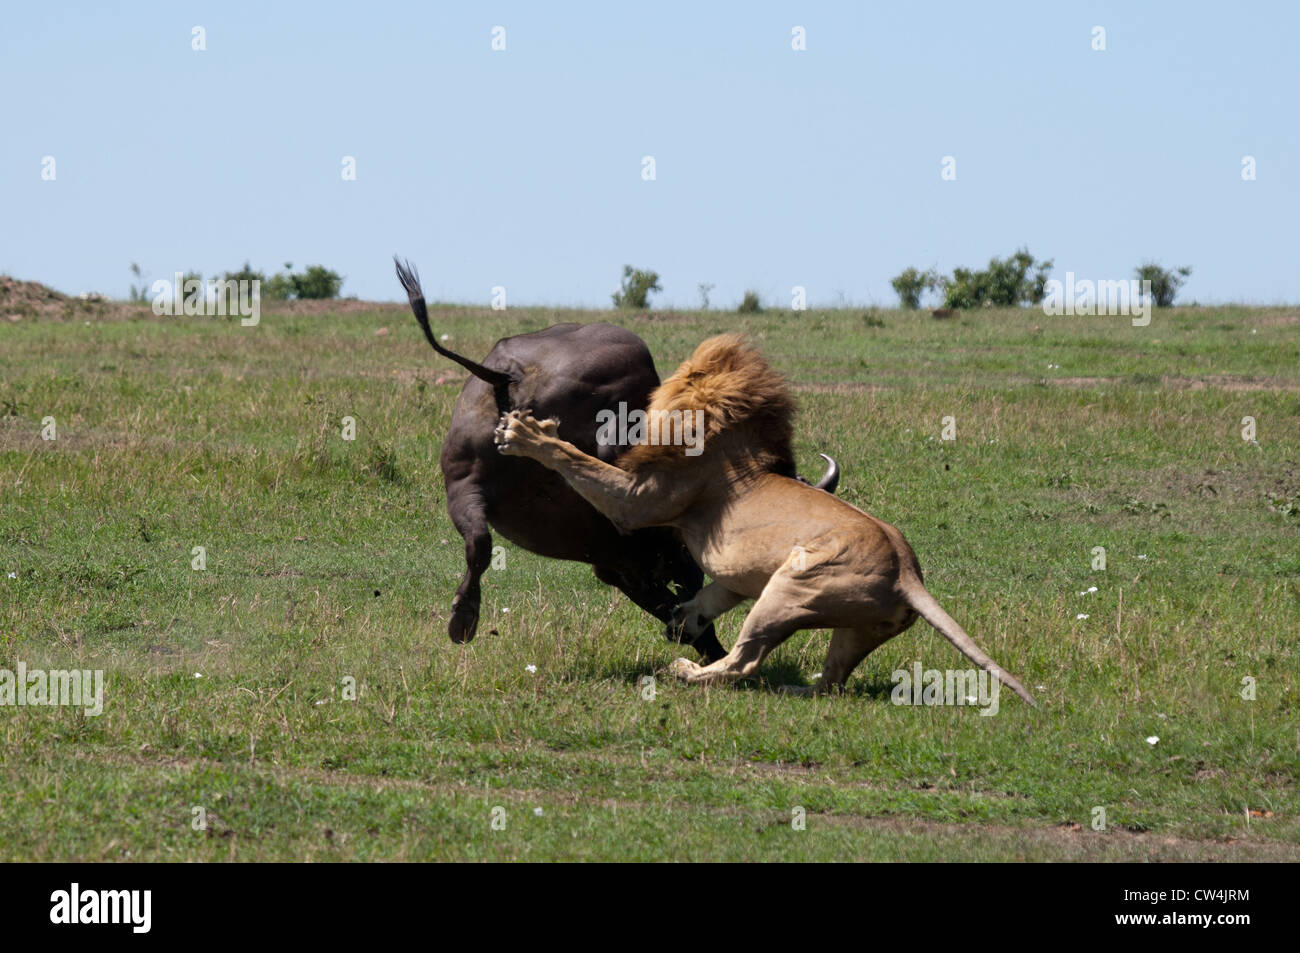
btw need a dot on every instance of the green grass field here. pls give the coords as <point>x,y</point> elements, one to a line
<point>330,560</point>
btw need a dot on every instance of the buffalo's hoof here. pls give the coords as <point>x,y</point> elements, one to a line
<point>463,625</point>
<point>710,649</point>
<point>675,630</point>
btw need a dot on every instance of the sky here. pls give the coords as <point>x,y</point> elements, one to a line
<point>523,168</point>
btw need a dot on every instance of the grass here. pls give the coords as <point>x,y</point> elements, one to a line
<point>330,560</point>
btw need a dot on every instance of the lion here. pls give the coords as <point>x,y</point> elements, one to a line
<point>808,559</point>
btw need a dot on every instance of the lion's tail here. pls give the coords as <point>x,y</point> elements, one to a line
<point>920,599</point>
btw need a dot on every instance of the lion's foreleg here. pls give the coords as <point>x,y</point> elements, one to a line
<point>627,499</point>
<point>694,616</point>
<point>778,613</point>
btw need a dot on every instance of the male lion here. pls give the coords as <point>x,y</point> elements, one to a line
<point>809,559</point>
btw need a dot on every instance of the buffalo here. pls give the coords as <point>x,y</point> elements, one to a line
<point>571,372</point>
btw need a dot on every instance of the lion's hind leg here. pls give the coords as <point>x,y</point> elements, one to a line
<point>778,613</point>
<point>848,648</point>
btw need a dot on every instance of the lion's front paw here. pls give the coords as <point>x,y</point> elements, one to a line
<point>507,432</point>
<point>518,432</point>
<point>683,668</point>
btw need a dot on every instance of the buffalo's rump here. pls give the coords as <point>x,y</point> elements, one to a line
<point>570,372</point>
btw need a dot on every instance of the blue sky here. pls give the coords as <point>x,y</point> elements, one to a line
<point>774,168</point>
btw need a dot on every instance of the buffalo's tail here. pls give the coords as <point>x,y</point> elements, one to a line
<point>499,380</point>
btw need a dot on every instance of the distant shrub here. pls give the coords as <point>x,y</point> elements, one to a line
<point>750,303</point>
<point>872,319</point>
<point>634,291</point>
<point>278,287</point>
<point>245,274</point>
<point>1006,282</point>
<point>910,284</point>
<point>704,289</point>
<point>316,282</point>
<point>1164,284</point>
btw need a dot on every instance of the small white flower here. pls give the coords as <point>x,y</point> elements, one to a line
<point>971,699</point>
<point>1092,588</point>
<point>1153,740</point>
<point>198,674</point>
<point>1160,715</point>
<point>13,575</point>
<point>323,701</point>
<point>445,337</point>
<point>530,669</point>
<point>1143,556</point>
<point>505,610</point>
<point>1082,615</point>
<point>537,812</point>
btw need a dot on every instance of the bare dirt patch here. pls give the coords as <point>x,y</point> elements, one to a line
<point>1229,382</point>
<point>666,317</point>
<point>1274,319</point>
<point>1081,381</point>
<point>31,300</point>
<point>1281,481</point>
<point>840,387</point>
<point>333,306</point>
<point>25,299</point>
<point>1068,842</point>
<point>1233,382</point>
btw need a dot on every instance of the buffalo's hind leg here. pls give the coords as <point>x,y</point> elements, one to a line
<point>697,613</point>
<point>704,641</point>
<point>658,600</point>
<point>692,621</point>
<point>468,513</point>
<point>689,578</point>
